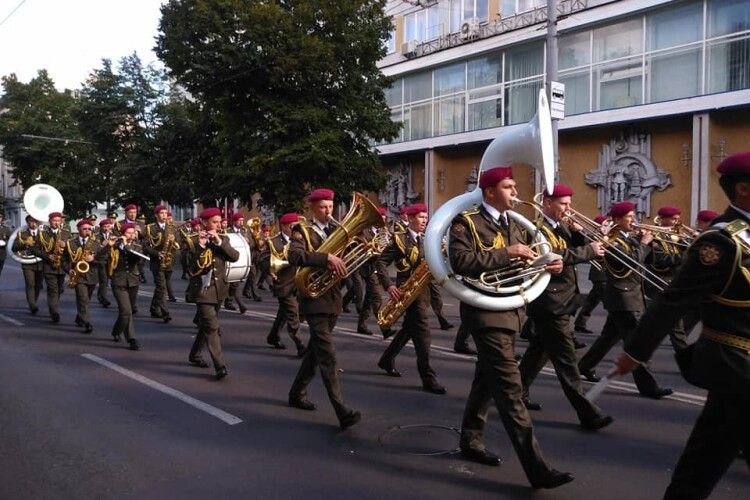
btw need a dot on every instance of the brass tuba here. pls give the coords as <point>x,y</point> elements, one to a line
<point>346,243</point>
<point>532,144</point>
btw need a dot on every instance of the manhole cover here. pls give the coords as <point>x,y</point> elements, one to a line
<point>420,439</point>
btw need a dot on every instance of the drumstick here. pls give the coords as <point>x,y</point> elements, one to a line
<point>599,387</point>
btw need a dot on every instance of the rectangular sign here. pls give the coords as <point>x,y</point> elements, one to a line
<point>557,100</point>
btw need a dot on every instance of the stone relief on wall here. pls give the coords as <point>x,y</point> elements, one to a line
<point>398,189</point>
<point>472,178</point>
<point>625,172</point>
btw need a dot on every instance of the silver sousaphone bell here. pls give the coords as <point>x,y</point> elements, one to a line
<point>39,200</point>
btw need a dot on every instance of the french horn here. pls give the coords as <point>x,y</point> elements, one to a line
<point>39,200</point>
<point>531,144</point>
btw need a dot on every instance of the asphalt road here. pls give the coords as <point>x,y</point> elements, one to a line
<point>83,417</point>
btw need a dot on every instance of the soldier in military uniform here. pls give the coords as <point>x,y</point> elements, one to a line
<point>623,298</point>
<point>100,264</point>
<point>282,285</point>
<point>33,274</point>
<point>124,275</point>
<point>84,248</point>
<point>704,219</point>
<point>50,245</point>
<point>5,233</point>
<point>161,245</point>
<point>407,252</point>
<point>238,227</point>
<point>371,300</point>
<point>551,311</point>
<point>713,279</point>
<point>132,217</point>
<point>484,240</point>
<point>598,278</point>
<point>208,260</point>
<point>321,313</point>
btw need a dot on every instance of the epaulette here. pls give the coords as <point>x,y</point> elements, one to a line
<point>305,232</point>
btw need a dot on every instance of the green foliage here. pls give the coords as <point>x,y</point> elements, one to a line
<point>295,88</point>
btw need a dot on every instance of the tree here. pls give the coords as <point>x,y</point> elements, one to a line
<point>295,87</point>
<point>38,109</point>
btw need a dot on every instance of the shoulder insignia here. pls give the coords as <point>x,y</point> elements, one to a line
<point>458,229</point>
<point>297,236</point>
<point>709,254</point>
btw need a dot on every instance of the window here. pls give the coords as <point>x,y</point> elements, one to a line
<point>618,40</point>
<point>728,16</point>
<point>450,79</point>
<point>678,25</point>
<point>449,114</point>
<point>417,87</point>
<point>417,121</point>
<point>729,64</point>
<point>663,67</point>
<point>463,10</point>
<point>618,84</point>
<point>520,101</point>
<point>422,25</point>
<point>576,92</point>
<point>485,71</point>
<point>513,7</point>
<point>574,50</point>
<point>393,93</point>
<point>524,62</point>
<point>390,43</point>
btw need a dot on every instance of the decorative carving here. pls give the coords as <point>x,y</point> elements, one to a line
<point>721,150</point>
<point>472,179</point>
<point>441,179</point>
<point>398,189</point>
<point>625,172</point>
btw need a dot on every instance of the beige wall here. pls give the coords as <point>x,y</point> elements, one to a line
<point>734,127</point>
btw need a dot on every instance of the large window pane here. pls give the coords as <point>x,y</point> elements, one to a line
<point>524,61</point>
<point>483,9</point>
<point>421,25</point>
<point>520,101</point>
<point>664,67</point>
<point>728,16</point>
<point>485,71</point>
<point>486,114</point>
<point>418,121</point>
<point>618,85</point>
<point>418,87</point>
<point>433,23</point>
<point>450,79</point>
<point>729,65</point>
<point>677,25</point>
<point>456,18</point>
<point>618,40</point>
<point>576,92</point>
<point>574,49</point>
<point>393,93</point>
<point>449,115</point>
<point>410,27</point>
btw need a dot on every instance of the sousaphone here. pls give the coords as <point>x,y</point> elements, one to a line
<point>39,200</point>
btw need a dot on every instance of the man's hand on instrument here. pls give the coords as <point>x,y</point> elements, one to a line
<point>394,292</point>
<point>647,237</point>
<point>88,257</point>
<point>202,238</point>
<point>625,364</point>
<point>554,267</point>
<point>336,265</point>
<point>598,248</point>
<point>520,251</point>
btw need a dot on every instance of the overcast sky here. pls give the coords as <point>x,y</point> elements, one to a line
<point>69,38</point>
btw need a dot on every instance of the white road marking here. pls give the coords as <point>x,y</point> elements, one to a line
<point>205,407</point>
<point>11,320</point>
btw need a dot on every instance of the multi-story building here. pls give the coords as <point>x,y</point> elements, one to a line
<point>657,93</point>
<point>11,194</point>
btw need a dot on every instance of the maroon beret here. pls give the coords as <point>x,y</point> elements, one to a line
<point>382,211</point>
<point>83,222</point>
<point>195,222</point>
<point>737,164</point>
<point>207,213</point>
<point>403,209</point>
<point>621,209</point>
<point>169,214</point>
<point>131,207</point>
<point>559,191</point>
<point>494,175</point>
<point>237,216</point>
<point>669,211</point>
<point>289,218</point>
<point>599,219</point>
<point>52,215</point>
<point>159,208</point>
<point>416,208</point>
<point>320,194</point>
<point>104,222</point>
<point>126,225</point>
<point>707,215</point>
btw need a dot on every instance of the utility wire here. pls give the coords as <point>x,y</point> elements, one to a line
<point>12,12</point>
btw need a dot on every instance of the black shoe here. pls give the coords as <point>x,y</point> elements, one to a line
<point>582,329</point>
<point>105,303</point>
<point>247,295</point>
<point>300,350</point>
<point>302,404</point>
<point>221,372</point>
<point>135,310</point>
<point>577,344</point>
<point>483,457</point>
<point>34,310</point>
<point>388,333</point>
<point>659,393</point>
<point>363,330</point>
<point>116,337</point>
<point>198,361</point>
<point>156,314</point>
<point>590,375</point>
<point>172,299</point>
<point>262,287</point>
<point>346,309</point>
<point>142,279</point>
<point>444,325</point>
<point>78,321</point>
<point>277,344</point>
<point>166,318</point>
<point>597,423</point>
<point>243,309</point>
<point>389,368</point>
<point>554,479</point>
<point>55,317</point>
<point>350,419</point>
<point>229,306</point>
<point>257,299</point>
<point>531,405</point>
<point>87,328</point>
<point>134,345</point>
<point>464,349</point>
<point>433,387</point>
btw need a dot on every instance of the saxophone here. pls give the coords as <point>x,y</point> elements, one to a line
<point>170,246</point>
<point>80,266</point>
<point>410,290</point>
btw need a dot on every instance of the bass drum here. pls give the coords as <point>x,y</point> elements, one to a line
<point>238,271</point>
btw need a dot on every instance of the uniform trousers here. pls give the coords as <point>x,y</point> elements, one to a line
<point>207,316</point>
<point>158,301</point>
<point>416,329</point>
<point>287,314</point>
<point>101,292</point>
<point>592,300</point>
<point>126,297</point>
<point>84,291</point>
<point>33,280</point>
<point>54,284</point>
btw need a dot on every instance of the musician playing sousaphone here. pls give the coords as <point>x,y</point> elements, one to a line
<point>322,312</point>
<point>482,240</point>
<point>407,252</point>
<point>275,261</point>
<point>161,245</point>
<point>33,272</point>
<point>210,252</point>
<point>80,257</point>
<point>50,246</point>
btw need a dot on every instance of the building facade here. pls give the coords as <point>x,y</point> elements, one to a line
<point>657,93</point>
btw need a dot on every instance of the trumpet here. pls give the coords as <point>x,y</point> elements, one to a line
<point>663,233</point>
